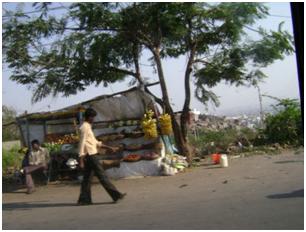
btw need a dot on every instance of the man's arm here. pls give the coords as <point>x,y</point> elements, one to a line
<point>105,146</point>
<point>31,159</point>
<point>83,135</point>
<point>101,145</point>
<point>81,162</point>
<point>82,153</point>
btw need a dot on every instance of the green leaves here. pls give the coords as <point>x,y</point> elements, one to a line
<point>205,96</point>
<point>96,43</point>
<point>272,46</point>
<point>54,57</point>
<point>10,132</point>
<point>285,126</point>
<point>227,66</point>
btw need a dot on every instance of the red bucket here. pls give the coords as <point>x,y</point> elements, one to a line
<point>215,158</point>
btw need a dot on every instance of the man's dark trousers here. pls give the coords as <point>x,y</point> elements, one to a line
<point>93,166</point>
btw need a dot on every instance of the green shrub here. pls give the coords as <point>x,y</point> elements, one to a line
<point>285,126</point>
<point>11,159</point>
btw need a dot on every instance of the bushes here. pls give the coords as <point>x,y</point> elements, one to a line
<point>11,159</point>
<point>218,141</point>
<point>282,127</point>
<point>285,126</point>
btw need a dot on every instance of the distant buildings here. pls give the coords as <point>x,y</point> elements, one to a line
<point>214,123</point>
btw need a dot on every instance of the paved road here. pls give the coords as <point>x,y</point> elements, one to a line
<point>257,192</point>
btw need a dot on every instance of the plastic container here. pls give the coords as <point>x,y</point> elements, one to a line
<point>224,161</point>
<point>215,158</point>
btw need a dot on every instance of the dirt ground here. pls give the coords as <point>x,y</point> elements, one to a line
<point>256,192</point>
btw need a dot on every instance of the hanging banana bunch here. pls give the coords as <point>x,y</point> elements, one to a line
<point>149,125</point>
<point>165,124</point>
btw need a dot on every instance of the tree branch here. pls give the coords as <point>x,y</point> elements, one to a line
<point>86,28</point>
<point>158,100</point>
<point>127,72</point>
<point>200,61</point>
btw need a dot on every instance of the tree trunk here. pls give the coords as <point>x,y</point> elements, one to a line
<point>186,107</point>
<point>182,145</point>
<point>260,106</point>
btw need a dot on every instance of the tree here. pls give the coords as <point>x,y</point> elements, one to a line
<point>103,43</point>
<point>9,130</point>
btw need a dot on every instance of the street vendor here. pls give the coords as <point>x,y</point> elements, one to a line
<point>89,162</point>
<point>37,160</point>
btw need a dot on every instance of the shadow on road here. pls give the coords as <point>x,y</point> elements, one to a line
<point>213,167</point>
<point>40,204</point>
<point>297,193</point>
<point>289,161</point>
<point>12,188</point>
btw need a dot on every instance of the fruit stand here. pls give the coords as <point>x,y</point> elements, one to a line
<point>132,123</point>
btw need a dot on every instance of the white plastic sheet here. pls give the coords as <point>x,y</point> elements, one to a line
<point>136,169</point>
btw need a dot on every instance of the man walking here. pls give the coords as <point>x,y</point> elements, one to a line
<point>37,160</point>
<point>89,162</point>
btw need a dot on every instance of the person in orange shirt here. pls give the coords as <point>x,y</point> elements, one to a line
<point>89,162</point>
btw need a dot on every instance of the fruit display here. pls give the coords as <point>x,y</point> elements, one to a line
<point>133,147</point>
<point>165,124</point>
<point>134,134</point>
<point>123,123</point>
<point>132,158</point>
<point>52,147</point>
<point>121,135</point>
<point>150,156</point>
<point>149,145</point>
<point>110,137</point>
<point>149,125</point>
<point>62,139</point>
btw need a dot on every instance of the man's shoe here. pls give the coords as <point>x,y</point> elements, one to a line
<point>120,198</point>
<point>30,191</point>
<point>84,203</point>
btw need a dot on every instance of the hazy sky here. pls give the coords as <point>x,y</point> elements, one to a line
<point>281,82</point>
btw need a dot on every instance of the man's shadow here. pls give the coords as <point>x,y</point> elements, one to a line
<point>41,204</point>
<point>293,194</point>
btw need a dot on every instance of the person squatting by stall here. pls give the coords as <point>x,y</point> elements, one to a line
<point>89,162</point>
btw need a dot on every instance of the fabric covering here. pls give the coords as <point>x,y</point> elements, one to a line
<point>120,107</point>
<point>140,168</point>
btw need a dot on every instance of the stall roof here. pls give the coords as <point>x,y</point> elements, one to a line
<point>70,111</point>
